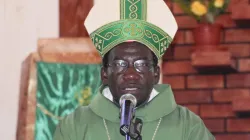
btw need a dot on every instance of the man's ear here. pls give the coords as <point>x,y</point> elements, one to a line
<point>156,75</point>
<point>104,75</point>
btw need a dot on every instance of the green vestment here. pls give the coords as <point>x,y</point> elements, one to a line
<point>177,123</point>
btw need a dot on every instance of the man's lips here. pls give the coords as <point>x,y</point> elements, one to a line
<point>130,91</point>
<point>131,88</point>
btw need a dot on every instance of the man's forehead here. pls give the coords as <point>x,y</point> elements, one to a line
<point>131,47</point>
<point>131,51</point>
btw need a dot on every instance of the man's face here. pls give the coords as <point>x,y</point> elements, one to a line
<point>123,79</point>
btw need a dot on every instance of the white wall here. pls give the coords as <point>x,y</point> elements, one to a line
<point>22,22</point>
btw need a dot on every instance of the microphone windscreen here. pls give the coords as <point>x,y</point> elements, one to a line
<point>129,97</point>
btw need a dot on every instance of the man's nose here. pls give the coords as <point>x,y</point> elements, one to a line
<point>131,74</point>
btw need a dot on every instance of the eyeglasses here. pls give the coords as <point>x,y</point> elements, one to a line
<point>141,66</point>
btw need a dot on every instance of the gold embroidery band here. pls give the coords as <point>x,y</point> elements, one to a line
<point>112,34</point>
<point>133,9</point>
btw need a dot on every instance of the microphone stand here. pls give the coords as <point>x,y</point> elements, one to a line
<point>127,137</point>
<point>135,129</point>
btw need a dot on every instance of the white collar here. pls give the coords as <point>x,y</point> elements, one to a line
<point>107,93</point>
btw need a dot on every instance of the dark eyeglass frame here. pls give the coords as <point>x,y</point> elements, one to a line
<point>121,66</point>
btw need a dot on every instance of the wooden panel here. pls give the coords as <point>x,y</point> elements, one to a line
<point>68,50</point>
<point>72,16</point>
<point>63,50</point>
<point>27,99</point>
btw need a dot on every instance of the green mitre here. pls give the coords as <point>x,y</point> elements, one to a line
<point>150,22</point>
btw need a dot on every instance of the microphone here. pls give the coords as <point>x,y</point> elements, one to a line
<point>127,103</point>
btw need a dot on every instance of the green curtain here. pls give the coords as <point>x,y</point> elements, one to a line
<point>61,88</point>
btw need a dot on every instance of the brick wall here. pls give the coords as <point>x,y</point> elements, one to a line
<point>210,96</point>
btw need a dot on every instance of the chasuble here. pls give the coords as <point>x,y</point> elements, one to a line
<point>162,119</point>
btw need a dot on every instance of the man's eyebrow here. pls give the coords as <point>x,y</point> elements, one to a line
<point>117,58</point>
<point>143,58</point>
<point>137,58</point>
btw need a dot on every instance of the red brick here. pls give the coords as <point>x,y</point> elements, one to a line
<point>193,108</point>
<point>213,59</point>
<point>177,9</point>
<point>216,111</point>
<point>244,65</point>
<point>227,95</point>
<point>238,80</point>
<point>178,67</point>
<point>239,2</point>
<point>189,39</point>
<point>183,52</point>
<point>238,50</point>
<point>229,8</point>
<point>215,125</point>
<point>169,54</point>
<point>238,125</point>
<point>226,20</point>
<point>192,96</point>
<point>237,35</point>
<point>210,81</point>
<point>169,3</point>
<point>240,10</point>
<point>176,82</point>
<point>241,104</point>
<point>179,37</point>
<point>232,137</point>
<point>185,22</point>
